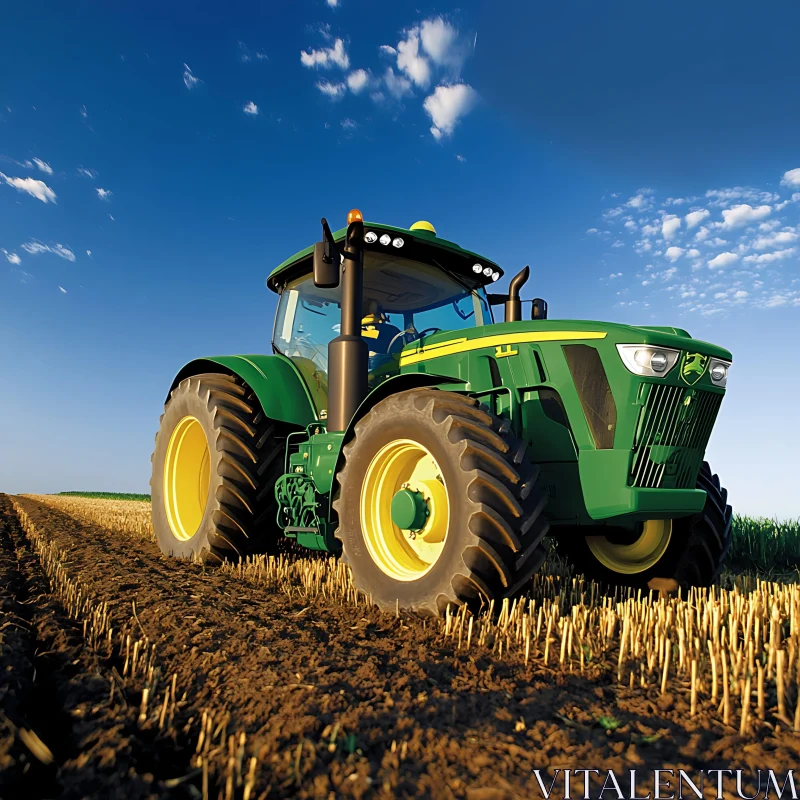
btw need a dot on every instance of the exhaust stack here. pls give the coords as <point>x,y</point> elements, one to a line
<point>513,306</point>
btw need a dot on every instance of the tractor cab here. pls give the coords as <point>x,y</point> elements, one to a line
<point>414,285</point>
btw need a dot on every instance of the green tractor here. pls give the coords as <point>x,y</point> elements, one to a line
<point>398,424</point>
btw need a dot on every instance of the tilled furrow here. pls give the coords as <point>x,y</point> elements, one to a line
<point>297,693</point>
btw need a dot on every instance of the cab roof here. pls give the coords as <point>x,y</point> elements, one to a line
<point>419,244</point>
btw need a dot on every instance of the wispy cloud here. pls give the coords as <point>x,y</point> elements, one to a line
<point>43,166</point>
<point>250,108</point>
<point>62,289</point>
<point>447,105</point>
<point>333,90</point>
<point>104,194</point>
<point>38,189</point>
<point>36,248</point>
<point>332,3</point>
<point>189,78</point>
<point>87,173</point>
<point>349,124</point>
<point>326,57</point>
<point>12,258</point>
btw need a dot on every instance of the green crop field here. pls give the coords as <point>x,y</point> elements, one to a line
<point>107,495</point>
<point>765,545</point>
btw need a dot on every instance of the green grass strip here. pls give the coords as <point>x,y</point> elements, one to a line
<point>107,495</point>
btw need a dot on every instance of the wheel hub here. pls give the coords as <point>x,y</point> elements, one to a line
<point>404,510</point>
<point>409,510</point>
<point>186,478</point>
<point>638,554</point>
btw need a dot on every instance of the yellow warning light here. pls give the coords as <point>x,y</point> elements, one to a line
<point>354,216</point>
<point>423,225</point>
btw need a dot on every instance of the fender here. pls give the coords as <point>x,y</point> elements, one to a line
<point>398,383</point>
<point>276,382</point>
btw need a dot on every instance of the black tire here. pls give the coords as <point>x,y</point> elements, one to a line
<point>245,454</point>
<point>694,557</point>
<point>493,544</point>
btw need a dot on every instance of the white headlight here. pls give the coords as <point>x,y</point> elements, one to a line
<point>644,359</point>
<point>718,370</point>
<point>385,239</point>
<point>397,242</point>
<point>495,276</point>
<point>477,268</point>
<point>487,271</point>
<point>370,237</point>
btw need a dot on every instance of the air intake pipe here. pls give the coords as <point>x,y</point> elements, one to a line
<point>513,306</point>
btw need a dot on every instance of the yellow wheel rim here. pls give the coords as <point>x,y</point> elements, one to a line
<point>403,554</point>
<point>187,475</point>
<point>629,559</point>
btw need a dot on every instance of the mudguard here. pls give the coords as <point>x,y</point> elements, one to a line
<point>277,383</point>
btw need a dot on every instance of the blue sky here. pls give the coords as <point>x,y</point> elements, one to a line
<point>156,164</point>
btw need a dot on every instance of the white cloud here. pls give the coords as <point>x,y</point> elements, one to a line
<point>640,199</point>
<point>250,108</point>
<point>447,105</point>
<point>673,253</point>
<point>104,194</point>
<point>63,290</point>
<point>723,260</point>
<point>35,248</point>
<point>84,113</point>
<point>333,90</point>
<point>188,78</point>
<point>694,218</point>
<point>740,295</point>
<point>592,230</point>
<point>791,178</point>
<point>13,258</point>
<point>397,85</point>
<point>410,61</point>
<point>89,253</point>
<point>387,50</point>
<point>43,166</point>
<point>38,189</point>
<point>775,239</point>
<point>326,57</point>
<point>630,225</point>
<point>357,80</point>
<point>768,258</point>
<point>87,173</point>
<point>460,158</point>
<point>649,230</point>
<point>693,253</point>
<point>349,124</point>
<point>670,225</point>
<point>439,40</point>
<point>332,3</point>
<point>743,214</point>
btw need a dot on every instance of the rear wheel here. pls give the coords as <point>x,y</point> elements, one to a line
<point>437,504</point>
<point>215,463</point>
<point>688,551</point>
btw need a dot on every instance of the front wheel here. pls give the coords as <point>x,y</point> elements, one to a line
<point>437,504</point>
<point>688,551</point>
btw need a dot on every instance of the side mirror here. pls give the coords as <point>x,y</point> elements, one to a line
<point>326,266</point>
<point>539,309</point>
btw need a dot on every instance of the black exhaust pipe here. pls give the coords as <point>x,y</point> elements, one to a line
<point>513,306</point>
<point>348,355</point>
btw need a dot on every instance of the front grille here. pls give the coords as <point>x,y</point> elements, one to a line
<point>672,432</point>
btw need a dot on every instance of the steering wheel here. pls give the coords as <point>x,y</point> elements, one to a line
<point>412,336</point>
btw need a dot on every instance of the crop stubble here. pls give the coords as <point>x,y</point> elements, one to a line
<point>277,680</point>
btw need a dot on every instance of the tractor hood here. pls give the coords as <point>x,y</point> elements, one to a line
<point>508,334</point>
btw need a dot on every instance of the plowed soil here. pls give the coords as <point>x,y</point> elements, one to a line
<point>334,699</point>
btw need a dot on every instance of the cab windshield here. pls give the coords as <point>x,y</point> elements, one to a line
<point>403,300</point>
